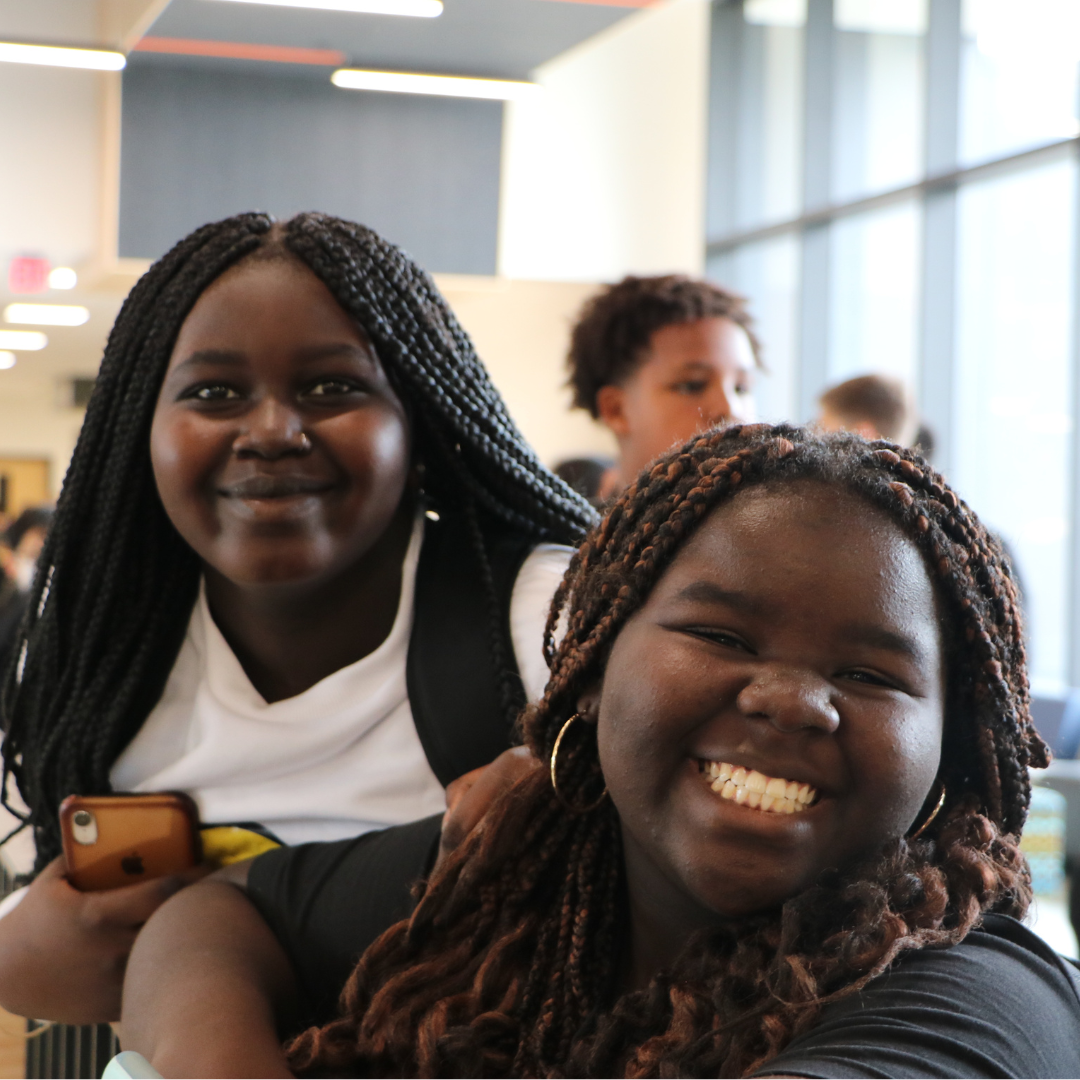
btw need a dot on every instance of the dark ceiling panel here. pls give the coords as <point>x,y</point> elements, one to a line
<point>499,38</point>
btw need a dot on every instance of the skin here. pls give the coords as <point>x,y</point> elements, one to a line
<point>282,455</point>
<point>796,632</point>
<point>693,376</point>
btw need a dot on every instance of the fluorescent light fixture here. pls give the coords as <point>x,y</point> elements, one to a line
<point>404,82</point>
<point>46,314</point>
<point>55,56</point>
<point>23,340</point>
<point>63,277</point>
<point>421,9</point>
<point>7,359</point>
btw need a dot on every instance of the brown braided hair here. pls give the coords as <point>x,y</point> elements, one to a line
<point>509,964</point>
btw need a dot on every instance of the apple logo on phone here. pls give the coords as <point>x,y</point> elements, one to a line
<point>132,864</point>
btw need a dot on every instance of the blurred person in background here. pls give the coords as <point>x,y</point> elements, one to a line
<point>20,547</point>
<point>873,406</point>
<point>585,475</point>
<point>659,359</point>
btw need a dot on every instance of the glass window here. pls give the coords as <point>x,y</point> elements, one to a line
<point>1019,75</point>
<point>874,304</point>
<point>1012,446</point>
<point>878,95</point>
<point>769,121</point>
<point>768,274</point>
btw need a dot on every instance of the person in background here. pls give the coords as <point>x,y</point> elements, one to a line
<point>585,475</point>
<point>873,406</point>
<point>20,547</point>
<point>659,359</point>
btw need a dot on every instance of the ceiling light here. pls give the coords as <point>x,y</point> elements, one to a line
<point>23,340</point>
<point>46,314</point>
<point>7,359</point>
<point>55,56</point>
<point>403,82</point>
<point>63,277</point>
<point>421,9</point>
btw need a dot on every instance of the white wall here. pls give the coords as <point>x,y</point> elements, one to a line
<point>522,331</point>
<point>604,173</point>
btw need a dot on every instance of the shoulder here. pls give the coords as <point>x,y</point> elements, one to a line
<point>327,902</point>
<point>1000,1003</point>
<point>542,571</point>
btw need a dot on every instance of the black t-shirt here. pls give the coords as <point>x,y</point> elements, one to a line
<point>1001,1003</point>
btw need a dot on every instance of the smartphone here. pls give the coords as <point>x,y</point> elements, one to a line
<point>114,840</point>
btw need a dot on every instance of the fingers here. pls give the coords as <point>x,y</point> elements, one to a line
<point>457,789</point>
<point>131,905</point>
<point>479,790</point>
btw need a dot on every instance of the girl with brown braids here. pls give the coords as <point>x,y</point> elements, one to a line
<point>786,742</point>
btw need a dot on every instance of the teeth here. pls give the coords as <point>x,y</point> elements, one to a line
<point>756,790</point>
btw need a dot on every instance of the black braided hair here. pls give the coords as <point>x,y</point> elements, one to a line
<point>116,583</point>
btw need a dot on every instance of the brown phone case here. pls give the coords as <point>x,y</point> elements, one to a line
<point>114,840</point>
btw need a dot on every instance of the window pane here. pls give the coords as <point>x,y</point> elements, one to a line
<point>758,87</point>
<point>875,294</point>
<point>878,95</point>
<point>768,274</point>
<point>1019,75</point>
<point>1013,423</point>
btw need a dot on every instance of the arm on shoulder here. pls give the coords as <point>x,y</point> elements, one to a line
<point>207,984</point>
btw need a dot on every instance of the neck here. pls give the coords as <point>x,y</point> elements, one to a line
<point>662,919</point>
<point>289,637</point>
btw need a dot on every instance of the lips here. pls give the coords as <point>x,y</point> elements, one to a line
<point>274,487</point>
<point>753,789</point>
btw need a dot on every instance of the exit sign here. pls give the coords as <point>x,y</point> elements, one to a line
<point>27,274</point>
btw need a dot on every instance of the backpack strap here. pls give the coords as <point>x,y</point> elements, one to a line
<point>450,672</point>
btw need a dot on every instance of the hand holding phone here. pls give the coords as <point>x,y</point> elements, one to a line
<point>115,840</point>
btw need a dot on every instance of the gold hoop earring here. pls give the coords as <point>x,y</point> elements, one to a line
<point>554,777</point>
<point>933,814</point>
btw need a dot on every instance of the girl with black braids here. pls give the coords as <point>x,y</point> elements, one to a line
<point>299,569</point>
<point>786,743</point>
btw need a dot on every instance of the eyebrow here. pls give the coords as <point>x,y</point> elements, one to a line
<point>234,358</point>
<point>880,638</point>
<point>708,592</point>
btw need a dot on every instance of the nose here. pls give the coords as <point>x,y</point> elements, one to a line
<point>789,700</point>
<point>273,429</point>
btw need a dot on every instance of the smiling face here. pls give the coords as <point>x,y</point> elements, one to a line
<point>693,376</point>
<point>795,636</point>
<point>279,448</point>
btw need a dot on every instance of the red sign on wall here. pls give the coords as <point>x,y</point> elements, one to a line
<point>27,274</point>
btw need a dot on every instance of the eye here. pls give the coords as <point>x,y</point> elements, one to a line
<point>332,387</point>
<point>725,638</point>
<point>691,387</point>
<point>211,392</point>
<point>868,678</point>
<point>744,389</point>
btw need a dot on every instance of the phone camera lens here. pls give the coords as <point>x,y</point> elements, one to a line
<point>82,818</point>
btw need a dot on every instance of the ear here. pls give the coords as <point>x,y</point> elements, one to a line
<point>611,405</point>
<point>588,705</point>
